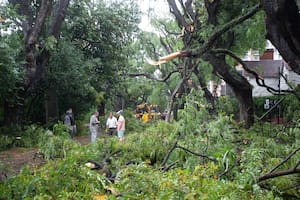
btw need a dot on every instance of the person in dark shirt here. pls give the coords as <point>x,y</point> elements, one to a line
<point>70,122</point>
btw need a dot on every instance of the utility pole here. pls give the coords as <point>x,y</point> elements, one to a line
<point>279,88</point>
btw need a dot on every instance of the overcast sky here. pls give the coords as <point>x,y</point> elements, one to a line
<point>150,8</point>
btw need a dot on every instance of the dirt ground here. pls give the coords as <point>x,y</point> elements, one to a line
<point>15,158</point>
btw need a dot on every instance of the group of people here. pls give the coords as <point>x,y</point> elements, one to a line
<point>113,125</point>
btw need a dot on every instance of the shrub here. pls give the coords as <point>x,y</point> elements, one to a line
<point>6,142</point>
<point>227,105</point>
<point>55,144</point>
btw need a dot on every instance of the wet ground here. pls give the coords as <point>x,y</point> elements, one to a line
<point>12,160</point>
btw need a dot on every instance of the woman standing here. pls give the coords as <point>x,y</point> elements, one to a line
<point>121,125</point>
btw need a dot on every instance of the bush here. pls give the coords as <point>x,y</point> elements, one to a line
<point>55,144</point>
<point>237,158</point>
<point>15,136</point>
<point>227,105</point>
<point>6,142</point>
<point>30,136</point>
<point>82,128</point>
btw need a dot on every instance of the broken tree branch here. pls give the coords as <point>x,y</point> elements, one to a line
<point>150,76</point>
<point>278,174</point>
<point>259,80</point>
<point>169,166</point>
<point>166,158</point>
<point>196,154</point>
<point>285,160</point>
<point>209,43</point>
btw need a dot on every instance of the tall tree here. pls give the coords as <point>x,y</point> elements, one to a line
<point>104,32</point>
<point>221,34</point>
<point>97,35</point>
<point>31,18</point>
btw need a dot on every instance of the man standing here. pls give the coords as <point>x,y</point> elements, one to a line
<point>111,124</point>
<point>70,122</point>
<point>94,123</point>
<point>121,125</point>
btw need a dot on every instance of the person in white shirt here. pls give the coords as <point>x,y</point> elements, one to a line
<point>111,124</point>
<point>94,123</point>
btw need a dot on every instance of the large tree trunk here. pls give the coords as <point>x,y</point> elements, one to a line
<point>283,29</point>
<point>32,29</point>
<point>37,62</point>
<point>171,101</point>
<point>58,17</point>
<point>240,86</point>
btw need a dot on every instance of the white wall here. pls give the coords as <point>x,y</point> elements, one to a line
<point>293,77</point>
<point>272,82</point>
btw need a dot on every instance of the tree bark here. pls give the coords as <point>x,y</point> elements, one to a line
<point>278,174</point>
<point>31,40</point>
<point>58,17</point>
<point>283,29</point>
<point>171,101</point>
<point>239,84</point>
<point>36,62</point>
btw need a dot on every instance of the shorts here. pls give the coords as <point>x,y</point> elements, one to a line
<point>120,134</point>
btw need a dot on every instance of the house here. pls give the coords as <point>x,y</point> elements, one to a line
<point>269,65</point>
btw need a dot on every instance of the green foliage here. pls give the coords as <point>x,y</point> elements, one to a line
<point>56,180</point>
<point>55,144</point>
<point>69,77</point>
<point>10,71</point>
<point>142,182</point>
<point>51,43</point>
<point>81,127</point>
<point>194,114</point>
<point>135,164</point>
<point>89,61</point>
<point>289,107</point>
<point>100,98</point>
<point>133,124</point>
<point>104,31</point>
<point>88,58</point>
<point>248,35</point>
<point>30,136</point>
<point>61,130</point>
<point>227,105</point>
<point>259,105</point>
<point>6,141</point>
<point>16,136</point>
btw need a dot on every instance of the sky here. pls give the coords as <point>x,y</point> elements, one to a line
<point>150,8</point>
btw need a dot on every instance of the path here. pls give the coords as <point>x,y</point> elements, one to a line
<point>13,160</point>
